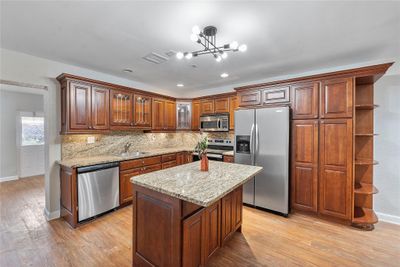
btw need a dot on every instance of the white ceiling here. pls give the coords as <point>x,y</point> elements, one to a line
<point>282,37</point>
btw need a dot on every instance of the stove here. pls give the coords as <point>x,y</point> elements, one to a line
<point>215,149</point>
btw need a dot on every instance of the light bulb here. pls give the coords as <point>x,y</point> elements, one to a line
<point>243,48</point>
<point>233,45</point>
<point>196,30</point>
<point>179,55</point>
<point>180,85</point>
<point>224,75</point>
<point>224,55</point>
<point>218,58</point>
<point>188,56</point>
<point>194,37</point>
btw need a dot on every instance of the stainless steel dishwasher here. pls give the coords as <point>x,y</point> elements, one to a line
<point>98,189</point>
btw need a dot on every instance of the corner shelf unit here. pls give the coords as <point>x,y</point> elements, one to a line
<point>364,216</point>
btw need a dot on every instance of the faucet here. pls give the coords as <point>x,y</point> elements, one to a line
<point>126,147</point>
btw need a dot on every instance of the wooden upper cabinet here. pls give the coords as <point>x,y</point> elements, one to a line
<point>336,165</point>
<point>305,100</point>
<point>158,114</point>
<point>100,108</point>
<point>196,115</point>
<point>121,108</point>
<point>337,98</point>
<point>170,115</point>
<point>249,98</point>
<point>163,114</point>
<point>304,174</point>
<point>142,108</point>
<point>207,106</point>
<point>80,107</point>
<point>221,105</point>
<point>276,95</point>
<point>233,105</point>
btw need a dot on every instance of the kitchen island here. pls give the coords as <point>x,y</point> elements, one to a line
<point>181,215</point>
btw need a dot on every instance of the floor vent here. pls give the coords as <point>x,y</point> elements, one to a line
<point>155,58</point>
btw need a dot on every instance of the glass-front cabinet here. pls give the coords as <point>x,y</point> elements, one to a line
<point>183,115</point>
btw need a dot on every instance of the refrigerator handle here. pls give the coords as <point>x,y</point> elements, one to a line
<point>251,144</point>
<point>257,140</point>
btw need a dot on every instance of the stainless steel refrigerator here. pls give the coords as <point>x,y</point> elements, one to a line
<point>262,139</point>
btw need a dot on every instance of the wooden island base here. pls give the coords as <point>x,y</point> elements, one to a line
<point>168,231</point>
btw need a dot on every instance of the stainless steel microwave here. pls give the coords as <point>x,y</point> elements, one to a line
<point>214,123</point>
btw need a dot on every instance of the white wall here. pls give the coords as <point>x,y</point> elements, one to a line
<point>387,148</point>
<point>11,103</point>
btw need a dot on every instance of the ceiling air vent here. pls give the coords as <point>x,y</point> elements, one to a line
<point>155,58</point>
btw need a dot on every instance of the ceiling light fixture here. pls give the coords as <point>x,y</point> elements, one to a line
<point>224,75</point>
<point>180,85</point>
<point>128,70</point>
<point>207,38</point>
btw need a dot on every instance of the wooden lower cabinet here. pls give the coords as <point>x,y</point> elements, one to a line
<point>336,168</point>
<point>69,195</point>
<point>171,232</point>
<point>229,158</point>
<point>125,185</point>
<point>304,174</point>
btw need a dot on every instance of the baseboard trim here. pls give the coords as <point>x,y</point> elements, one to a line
<point>8,178</point>
<point>51,215</point>
<point>388,218</point>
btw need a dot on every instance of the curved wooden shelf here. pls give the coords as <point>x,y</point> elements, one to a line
<point>364,216</point>
<point>365,162</point>
<point>366,106</point>
<point>365,189</point>
<point>366,134</point>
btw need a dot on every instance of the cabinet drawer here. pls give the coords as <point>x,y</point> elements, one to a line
<point>168,157</point>
<point>169,164</point>
<point>276,95</point>
<point>136,163</point>
<point>151,168</point>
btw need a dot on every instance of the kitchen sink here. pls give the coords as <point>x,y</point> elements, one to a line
<point>133,154</point>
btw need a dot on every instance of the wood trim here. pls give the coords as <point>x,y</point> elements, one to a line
<point>212,96</point>
<point>373,70</point>
<point>63,76</point>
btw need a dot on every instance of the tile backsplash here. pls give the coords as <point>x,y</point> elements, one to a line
<point>113,144</point>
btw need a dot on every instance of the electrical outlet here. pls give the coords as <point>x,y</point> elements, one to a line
<point>91,140</point>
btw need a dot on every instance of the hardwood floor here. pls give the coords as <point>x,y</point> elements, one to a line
<point>26,239</point>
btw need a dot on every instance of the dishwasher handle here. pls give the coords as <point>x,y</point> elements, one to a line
<point>97,167</point>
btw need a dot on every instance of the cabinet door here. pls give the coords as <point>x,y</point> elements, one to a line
<point>80,110</point>
<point>238,208</point>
<point>207,106</point>
<point>196,115</point>
<point>249,98</point>
<point>125,185</point>
<point>180,158</point>
<point>212,240</point>
<point>305,101</point>
<point>121,108</point>
<point>227,204</point>
<point>170,115</point>
<point>189,157</point>
<point>276,95</point>
<point>335,185</point>
<point>304,175</point>
<point>337,98</point>
<point>229,159</point>
<point>221,105</point>
<point>142,114</point>
<point>100,108</point>
<point>233,104</point>
<point>193,233</point>
<point>158,114</point>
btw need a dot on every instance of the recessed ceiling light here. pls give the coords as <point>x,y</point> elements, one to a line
<point>224,75</point>
<point>180,85</point>
<point>128,70</point>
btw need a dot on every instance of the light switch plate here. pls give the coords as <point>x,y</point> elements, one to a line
<point>91,140</point>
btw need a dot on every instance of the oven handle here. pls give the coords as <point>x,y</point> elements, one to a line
<point>215,156</point>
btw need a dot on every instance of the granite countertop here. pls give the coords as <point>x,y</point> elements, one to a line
<point>188,183</point>
<point>87,161</point>
<point>229,153</point>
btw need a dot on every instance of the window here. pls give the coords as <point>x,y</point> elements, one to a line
<point>32,132</point>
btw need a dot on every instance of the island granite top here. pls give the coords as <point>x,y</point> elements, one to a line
<point>188,183</point>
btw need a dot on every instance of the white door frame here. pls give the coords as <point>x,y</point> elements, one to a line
<point>41,90</point>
